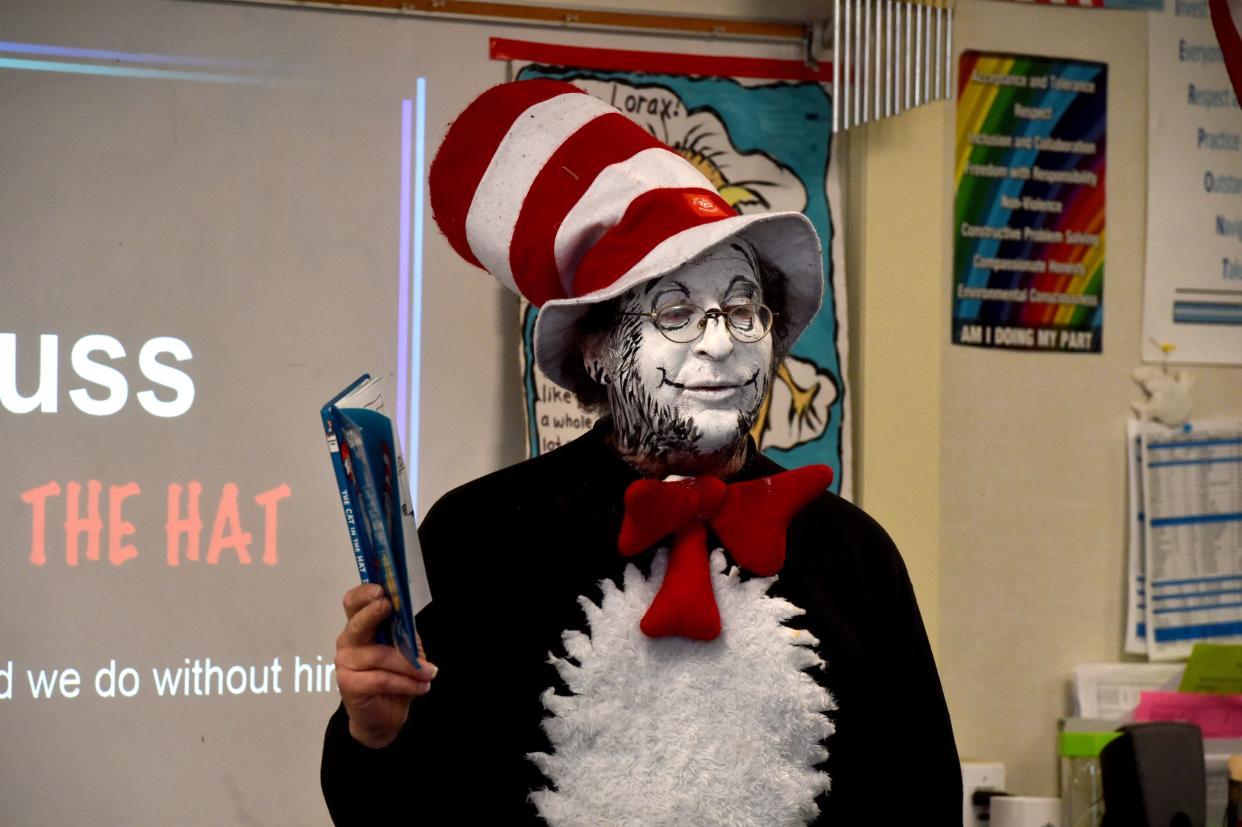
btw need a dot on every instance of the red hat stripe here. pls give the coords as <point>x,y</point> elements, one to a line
<point>468,148</point>
<point>652,219</point>
<point>609,197</point>
<point>602,144</point>
<point>531,140</point>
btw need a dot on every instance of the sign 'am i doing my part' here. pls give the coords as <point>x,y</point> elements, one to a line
<point>1028,254</point>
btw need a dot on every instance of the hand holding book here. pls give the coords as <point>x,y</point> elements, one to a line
<point>379,669</point>
<point>371,478</point>
<point>376,682</point>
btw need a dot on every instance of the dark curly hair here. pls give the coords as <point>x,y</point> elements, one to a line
<point>599,319</point>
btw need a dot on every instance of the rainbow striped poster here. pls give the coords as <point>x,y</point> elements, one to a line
<point>1028,254</point>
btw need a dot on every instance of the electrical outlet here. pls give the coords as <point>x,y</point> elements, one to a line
<point>979,775</point>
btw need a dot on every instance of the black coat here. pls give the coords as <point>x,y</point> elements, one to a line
<point>507,557</point>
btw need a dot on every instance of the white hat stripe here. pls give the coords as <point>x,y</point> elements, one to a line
<point>534,136</point>
<point>608,197</point>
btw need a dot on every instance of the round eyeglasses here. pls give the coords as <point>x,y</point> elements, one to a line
<point>684,323</point>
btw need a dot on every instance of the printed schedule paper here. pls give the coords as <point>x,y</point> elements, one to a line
<point>1192,536</point>
<point>1136,605</point>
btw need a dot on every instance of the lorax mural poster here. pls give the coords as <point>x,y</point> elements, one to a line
<point>766,146</point>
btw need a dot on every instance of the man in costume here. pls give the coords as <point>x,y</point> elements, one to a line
<point>653,624</point>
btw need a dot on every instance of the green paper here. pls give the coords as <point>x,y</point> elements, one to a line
<point>1085,744</point>
<point>1214,667</point>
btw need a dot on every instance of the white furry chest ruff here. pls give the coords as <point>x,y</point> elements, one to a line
<point>671,731</point>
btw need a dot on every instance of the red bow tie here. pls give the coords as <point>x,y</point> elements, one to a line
<point>750,518</point>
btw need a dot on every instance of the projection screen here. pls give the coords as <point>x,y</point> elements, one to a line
<point>211,220</point>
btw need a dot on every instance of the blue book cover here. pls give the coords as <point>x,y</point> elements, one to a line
<point>370,476</point>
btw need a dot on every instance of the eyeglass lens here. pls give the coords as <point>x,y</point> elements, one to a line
<point>684,323</point>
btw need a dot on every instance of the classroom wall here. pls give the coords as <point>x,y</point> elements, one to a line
<point>895,229</point>
<point>1033,486</point>
<point>1032,496</point>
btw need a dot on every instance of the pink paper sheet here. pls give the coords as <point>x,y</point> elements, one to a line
<point>1219,716</point>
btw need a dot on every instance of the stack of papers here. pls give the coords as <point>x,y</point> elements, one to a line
<point>1111,691</point>
<point>1209,694</point>
<point>1207,691</point>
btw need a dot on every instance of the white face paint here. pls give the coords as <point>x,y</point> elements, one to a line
<point>678,402</point>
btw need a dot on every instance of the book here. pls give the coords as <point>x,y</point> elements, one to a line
<point>373,484</point>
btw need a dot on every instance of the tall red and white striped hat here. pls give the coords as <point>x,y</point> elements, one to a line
<point>568,202</point>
